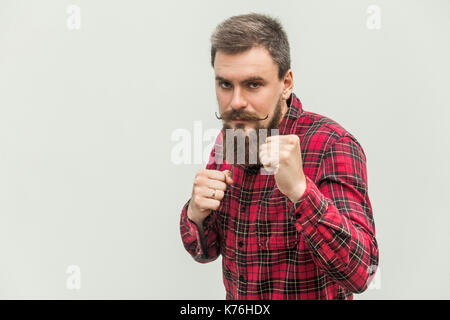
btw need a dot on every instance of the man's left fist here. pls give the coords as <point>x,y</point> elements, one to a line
<point>282,155</point>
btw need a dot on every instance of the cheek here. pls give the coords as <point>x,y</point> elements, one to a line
<point>222,96</point>
<point>267,109</point>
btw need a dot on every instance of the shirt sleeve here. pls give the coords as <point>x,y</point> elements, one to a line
<point>203,247</point>
<point>335,217</point>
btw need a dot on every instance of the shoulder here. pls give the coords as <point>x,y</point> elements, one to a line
<point>321,131</point>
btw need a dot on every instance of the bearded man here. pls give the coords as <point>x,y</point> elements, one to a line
<point>292,219</point>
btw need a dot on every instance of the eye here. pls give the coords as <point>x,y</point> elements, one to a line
<point>224,84</point>
<point>254,85</point>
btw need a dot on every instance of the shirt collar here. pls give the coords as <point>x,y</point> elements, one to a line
<point>295,111</point>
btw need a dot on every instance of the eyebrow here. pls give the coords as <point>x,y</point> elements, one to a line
<point>254,78</point>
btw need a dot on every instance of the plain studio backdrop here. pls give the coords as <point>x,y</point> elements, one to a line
<point>92,94</point>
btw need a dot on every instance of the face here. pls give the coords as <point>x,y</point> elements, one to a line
<point>250,95</point>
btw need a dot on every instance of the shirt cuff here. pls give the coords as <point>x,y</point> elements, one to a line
<point>308,210</point>
<point>293,206</point>
<point>193,229</point>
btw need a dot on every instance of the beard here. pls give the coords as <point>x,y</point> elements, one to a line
<point>242,147</point>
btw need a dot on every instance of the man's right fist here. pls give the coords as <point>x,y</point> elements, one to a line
<point>207,192</point>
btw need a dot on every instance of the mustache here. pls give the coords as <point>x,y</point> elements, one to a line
<point>236,114</point>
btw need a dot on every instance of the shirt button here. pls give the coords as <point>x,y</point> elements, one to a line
<point>241,278</point>
<point>243,208</point>
<point>240,244</point>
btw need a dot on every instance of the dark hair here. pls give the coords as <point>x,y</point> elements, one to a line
<point>243,32</point>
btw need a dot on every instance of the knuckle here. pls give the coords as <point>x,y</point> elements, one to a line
<point>291,139</point>
<point>222,186</point>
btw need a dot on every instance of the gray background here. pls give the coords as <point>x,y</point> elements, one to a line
<point>86,118</point>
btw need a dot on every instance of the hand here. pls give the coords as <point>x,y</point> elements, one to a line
<point>207,192</point>
<point>282,155</point>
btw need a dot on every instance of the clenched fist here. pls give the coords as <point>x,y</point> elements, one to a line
<point>207,192</point>
<point>282,155</point>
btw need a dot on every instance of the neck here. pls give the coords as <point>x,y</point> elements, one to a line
<point>284,110</point>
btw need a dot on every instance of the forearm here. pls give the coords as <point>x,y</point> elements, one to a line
<point>198,221</point>
<point>200,238</point>
<point>343,243</point>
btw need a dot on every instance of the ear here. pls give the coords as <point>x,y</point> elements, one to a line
<point>288,84</point>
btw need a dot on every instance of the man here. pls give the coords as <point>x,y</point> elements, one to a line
<point>304,232</point>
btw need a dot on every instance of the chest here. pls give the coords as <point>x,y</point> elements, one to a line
<point>255,212</point>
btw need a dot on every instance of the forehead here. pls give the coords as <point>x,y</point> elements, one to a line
<point>254,62</point>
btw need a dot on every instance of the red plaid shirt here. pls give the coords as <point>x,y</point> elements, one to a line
<point>322,246</point>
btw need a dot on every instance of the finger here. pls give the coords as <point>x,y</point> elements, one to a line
<point>270,168</point>
<point>262,155</point>
<point>209,204</point>
<point>269,160</point>
<point>265,160</point>
<point>211,194</point>
<point>273,138</point>
<point>283,139</point>
<point>216,184</point>
<point>271,154</point>
<point>216,175</point>
<point>277,138</point>
<point>228,176</point>
<point>264,148</point>
<point>216,194</point>
<point>270,147</point>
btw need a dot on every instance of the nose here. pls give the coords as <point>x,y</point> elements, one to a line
<point>238,101</point>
